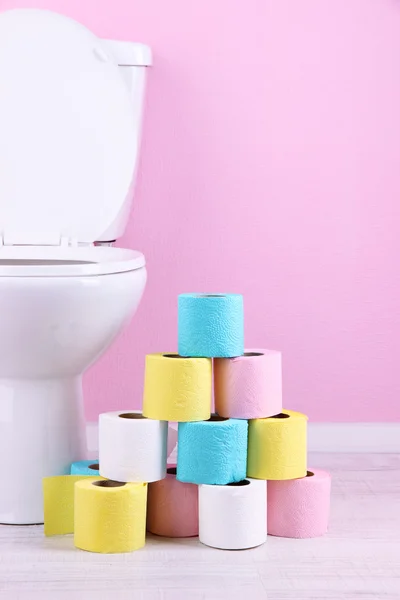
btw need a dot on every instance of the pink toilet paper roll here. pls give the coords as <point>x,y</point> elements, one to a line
<point>249,386</point>
<point>172,507</point>
<point>299,508</point>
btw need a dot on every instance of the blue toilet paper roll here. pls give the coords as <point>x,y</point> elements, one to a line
<point>210,326</point>
<point>212,452</point>
<point>85,467</point>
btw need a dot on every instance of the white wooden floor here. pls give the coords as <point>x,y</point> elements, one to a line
<point>359,558</point>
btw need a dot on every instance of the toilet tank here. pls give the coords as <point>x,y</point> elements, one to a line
<point>133,60</point>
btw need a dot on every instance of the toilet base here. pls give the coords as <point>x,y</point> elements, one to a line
<point>42,431</point>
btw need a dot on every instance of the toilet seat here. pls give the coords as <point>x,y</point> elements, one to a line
<point>59,261</point>
<point>66,148</point>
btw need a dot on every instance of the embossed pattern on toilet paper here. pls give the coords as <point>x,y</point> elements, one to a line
<point>212,452</point>
<point>299,508</point>
<point>233,517</point>
<point>85,467</point>
<point>58,497</point>
<point>131,447</point>
<point>172,507</point>
<point>210,325</point>
<point>248,386</point>
<point>177,388</point>
<point>110,520</point>
<point>278,447</point>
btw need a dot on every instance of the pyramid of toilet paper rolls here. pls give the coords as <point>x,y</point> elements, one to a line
<point>218,489</point>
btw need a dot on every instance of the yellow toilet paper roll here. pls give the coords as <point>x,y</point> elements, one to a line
<point>58,502</point>
<point>278,446</point>
<point>110,516</point>
<point>177,388</point>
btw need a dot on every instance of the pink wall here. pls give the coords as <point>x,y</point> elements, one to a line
<point>270,166</point>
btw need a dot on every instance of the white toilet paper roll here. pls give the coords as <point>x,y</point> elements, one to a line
<point>233,516</point>
<point>131,447</point>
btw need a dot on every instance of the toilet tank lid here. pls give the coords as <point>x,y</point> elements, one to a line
<point>129,54</point>
<point>67,144</point>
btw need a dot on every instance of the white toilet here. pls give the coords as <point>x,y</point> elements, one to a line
<point>70,120</point>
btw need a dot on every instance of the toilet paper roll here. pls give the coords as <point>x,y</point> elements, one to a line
<point>92,433</point>
<point>234,516</point>
<point>132,447</point>
<point>299,508</point>
<point>249,386</point>
<point>177,388</point>
<point>172,507</point>
<point>213,451</point>
<point>278,446</point>
<point>210,325</point>
<point>110,516</point>
<point>85,467</point>
<point>58,497</point>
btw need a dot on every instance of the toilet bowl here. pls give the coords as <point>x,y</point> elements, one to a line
<point>70,116</point>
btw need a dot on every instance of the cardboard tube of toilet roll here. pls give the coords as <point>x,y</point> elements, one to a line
<point>233,517</point>
<point>177,388</point>
<point>299,508</point>
<point>110,516</point>
<point>248,386</point>
<point>172,507</point>
<point>278,446</point>
<point>131,447</point>
<point>212,451</point>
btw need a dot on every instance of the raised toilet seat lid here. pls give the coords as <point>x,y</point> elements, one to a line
<point>59,261</point>
<point>67,122</point>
